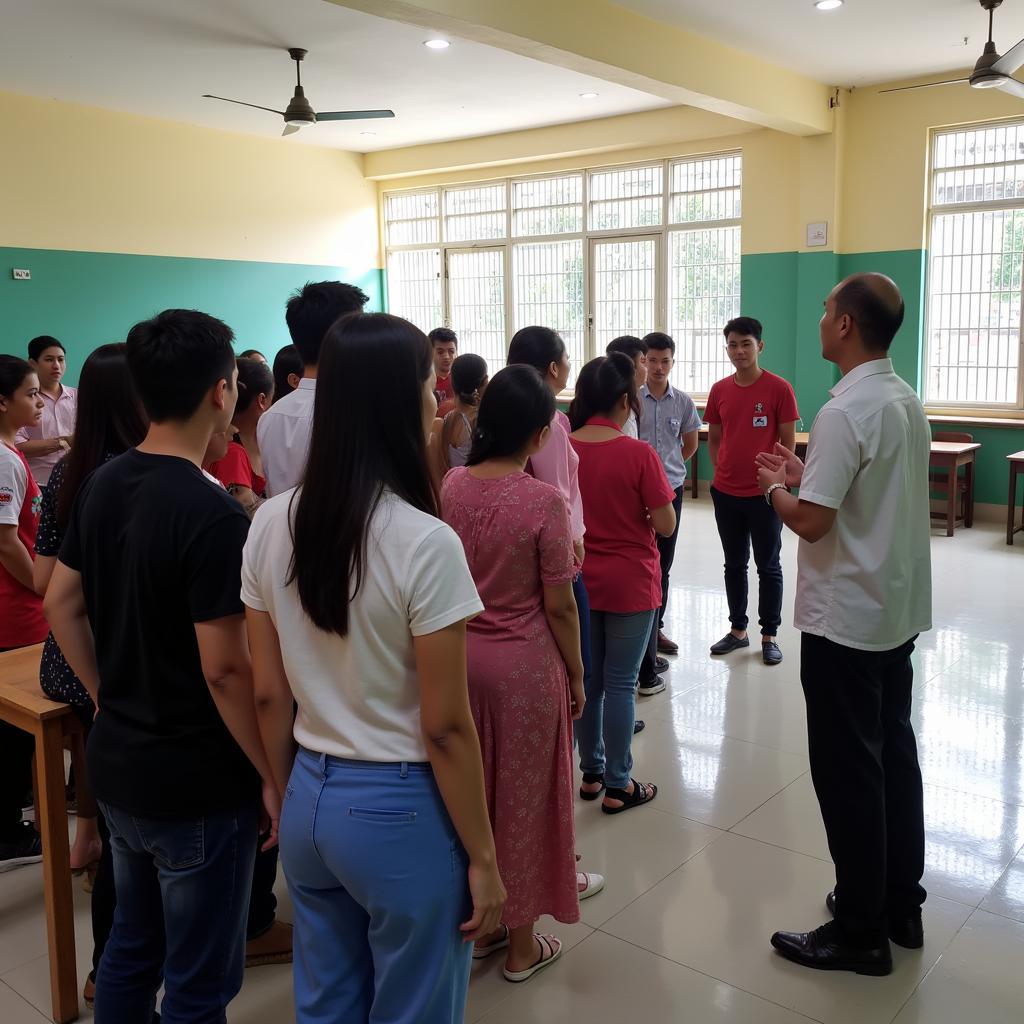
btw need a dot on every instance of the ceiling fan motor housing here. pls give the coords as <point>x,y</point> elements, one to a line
<point>299,110</point>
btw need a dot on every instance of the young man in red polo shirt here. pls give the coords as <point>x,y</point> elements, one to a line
<point>445,343</point>
<point>747,413</point>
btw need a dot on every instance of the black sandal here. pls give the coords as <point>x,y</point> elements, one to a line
<point>589,778</point>
<point>643,793</point>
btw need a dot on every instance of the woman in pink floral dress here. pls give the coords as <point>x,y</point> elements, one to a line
<point>525,669</point>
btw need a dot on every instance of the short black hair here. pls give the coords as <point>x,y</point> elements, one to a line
<point>443,335</point>
<point>312,310</point>
<point>628,345</point>
<point>252,353</point>
<point>659,341</point>
<point>37,346</point>
<point>877,321</point>
<point>176,358</point>
<point>745,326</point>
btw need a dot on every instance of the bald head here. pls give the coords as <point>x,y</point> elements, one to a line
<point>874,304</point>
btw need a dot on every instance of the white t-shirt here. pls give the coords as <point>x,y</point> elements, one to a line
<point>358,696</point>
<point>631,428</point>
<point>13,486</point>
<point>283,434</point>
<point>867,583</point>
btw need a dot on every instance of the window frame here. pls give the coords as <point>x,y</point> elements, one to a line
<point>586,236</point>
<point>965,410</point>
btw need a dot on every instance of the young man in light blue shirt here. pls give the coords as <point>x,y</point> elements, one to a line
<point>669,423</point>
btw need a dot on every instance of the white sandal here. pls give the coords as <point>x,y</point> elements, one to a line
<point>479,952</point>
<point>592,884</point>
<point>550,951</point>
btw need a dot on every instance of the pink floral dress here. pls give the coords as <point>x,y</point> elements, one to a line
<point>516,534</point>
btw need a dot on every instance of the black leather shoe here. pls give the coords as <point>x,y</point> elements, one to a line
<point>729,643</point>
<point>825,949</point>
<point>770,652</point>
<point>660,665</point>
<point>906,931</point>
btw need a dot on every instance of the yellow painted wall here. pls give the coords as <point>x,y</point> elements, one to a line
<point>886,144</point>
<point>771,176</point>
<point>80,178</point>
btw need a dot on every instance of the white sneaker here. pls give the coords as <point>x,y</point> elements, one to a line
<point>649,689</point>
<point>594,884</point>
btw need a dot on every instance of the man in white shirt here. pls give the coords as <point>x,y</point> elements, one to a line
<point>863,596</point>
<point>284,430</point>
<point>45,444</point>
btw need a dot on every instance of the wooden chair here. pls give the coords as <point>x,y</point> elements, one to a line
<point>939,478</point>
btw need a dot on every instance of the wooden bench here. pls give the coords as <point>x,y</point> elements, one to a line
<point>53,725</point>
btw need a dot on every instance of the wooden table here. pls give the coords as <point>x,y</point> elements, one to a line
<point>702,436</point>
<point>23,705</point>
<point>1016,461</point>
<point>950,456</point>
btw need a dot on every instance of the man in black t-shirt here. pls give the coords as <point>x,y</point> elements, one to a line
<point>144,602</point>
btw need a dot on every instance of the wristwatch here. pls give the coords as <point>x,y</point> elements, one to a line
<point>771,490</point>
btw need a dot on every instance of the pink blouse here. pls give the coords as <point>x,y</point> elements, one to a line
<point>558,464</point>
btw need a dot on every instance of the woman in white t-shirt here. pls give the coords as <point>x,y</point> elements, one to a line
<point>357,599</point>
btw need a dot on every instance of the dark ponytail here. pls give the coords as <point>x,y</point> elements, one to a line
<point>469,372</point>
<point>538,347</point>
<point>600,387</point>
<point>516,404</point>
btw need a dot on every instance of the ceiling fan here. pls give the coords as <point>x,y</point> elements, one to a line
<point>991,71</point>
<point>299,113</point>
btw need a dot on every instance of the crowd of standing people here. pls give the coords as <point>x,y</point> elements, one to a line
<point>377,635</point>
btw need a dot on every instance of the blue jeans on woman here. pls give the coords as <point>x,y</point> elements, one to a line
<point>605,731</point>
<point>182,901</point>
<point>377,877</point>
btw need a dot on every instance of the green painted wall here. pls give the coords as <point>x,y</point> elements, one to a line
<point>88,298</point>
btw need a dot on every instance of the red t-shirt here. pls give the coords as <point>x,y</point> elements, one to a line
<point>750,418</point>
<point>443,390</point>
<point>21,610</point>
<point>235,468</point>
<point>619,481</point>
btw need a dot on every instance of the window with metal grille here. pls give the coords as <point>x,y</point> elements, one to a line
<point>592,253</point>
<point>703,266</point>
<point>626,197</point>
<point>475,213</point>
<point>976,253</point>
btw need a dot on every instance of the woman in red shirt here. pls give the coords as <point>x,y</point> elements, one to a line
<point>627,499</point>
<point>241,468</point>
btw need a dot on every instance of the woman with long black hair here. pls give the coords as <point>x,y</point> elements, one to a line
<point>110,421</point>
<point>357,599</point>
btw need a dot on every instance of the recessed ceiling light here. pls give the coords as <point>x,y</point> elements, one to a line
<point>437,44</point>
<point>588,95</point>
<point>828,5</point>
<point>367,133</point>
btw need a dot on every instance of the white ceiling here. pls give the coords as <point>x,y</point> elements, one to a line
<point>157,57</point>
<point>863,42</point>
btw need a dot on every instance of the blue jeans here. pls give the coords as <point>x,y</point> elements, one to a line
<point>377,877</point>
<point>605,731</point>
<point>182,900</point>
<point>579,591</point>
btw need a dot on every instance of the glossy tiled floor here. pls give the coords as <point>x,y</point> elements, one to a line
<point>733,848</point>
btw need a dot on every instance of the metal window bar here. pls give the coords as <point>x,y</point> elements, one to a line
<point>625,286</point>
<point>476,302</point>
<point>414,286</point>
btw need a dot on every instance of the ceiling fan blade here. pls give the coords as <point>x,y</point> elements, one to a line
<point>353,115</point>
<point>242,103</point>
<point>289,129</point>
<point>927,85</point>
<point>1013,87</point>
<point>1011,60</point>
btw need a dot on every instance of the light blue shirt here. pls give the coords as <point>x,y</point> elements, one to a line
<point>662,425</point>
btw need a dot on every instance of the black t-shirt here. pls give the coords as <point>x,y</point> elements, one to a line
<point>159,548</point>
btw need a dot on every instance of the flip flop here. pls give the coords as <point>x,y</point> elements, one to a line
<point>550,951</point>
<point>479,952</point>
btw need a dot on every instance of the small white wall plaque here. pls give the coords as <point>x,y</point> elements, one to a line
<point>817,234</point>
